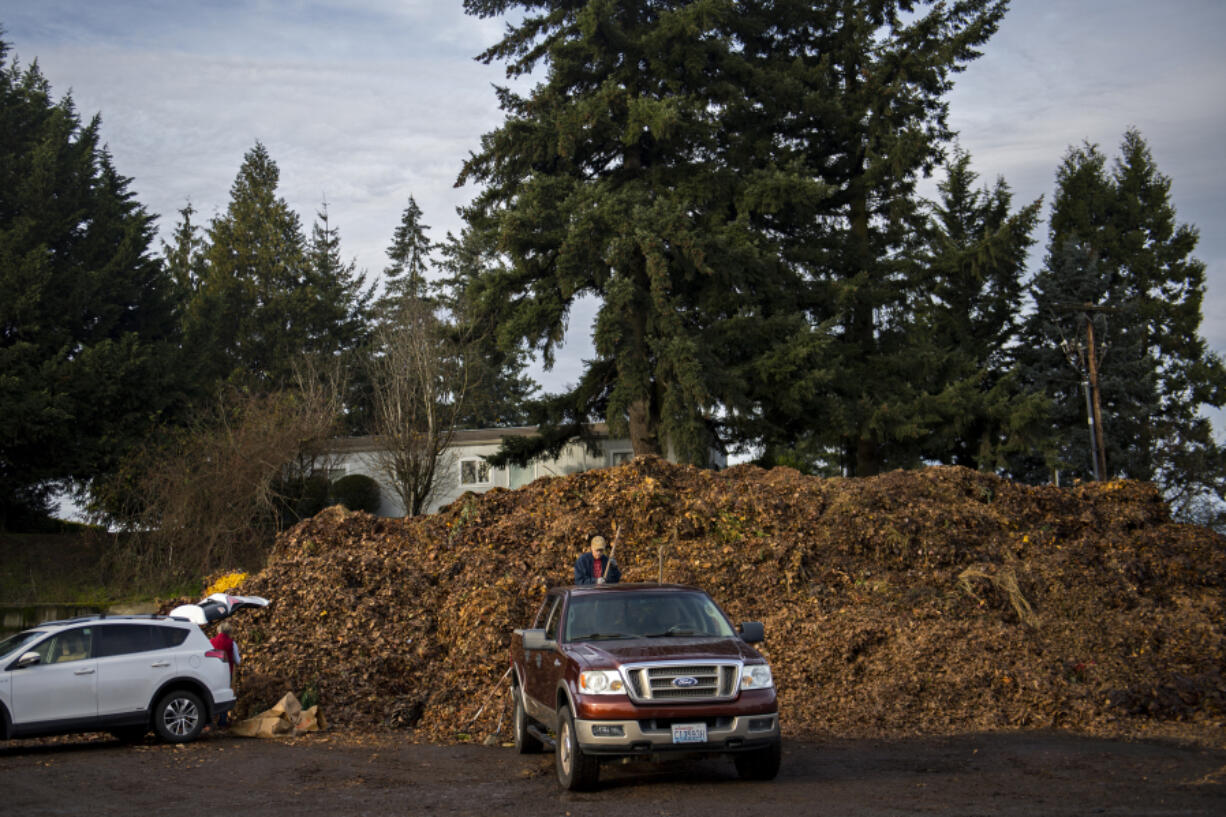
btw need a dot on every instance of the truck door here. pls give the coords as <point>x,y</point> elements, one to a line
<point>540,672</point>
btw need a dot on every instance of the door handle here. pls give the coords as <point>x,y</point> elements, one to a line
<point>160,664</point>
<point>83,672</point>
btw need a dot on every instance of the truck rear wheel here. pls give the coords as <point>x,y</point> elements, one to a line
<point>760,764</point>
<point>525,742</point>
<point>576,771</point>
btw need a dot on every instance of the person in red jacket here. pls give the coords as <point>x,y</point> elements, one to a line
<point>224,642</point>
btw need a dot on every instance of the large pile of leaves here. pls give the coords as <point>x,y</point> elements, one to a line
<point>922,601</point>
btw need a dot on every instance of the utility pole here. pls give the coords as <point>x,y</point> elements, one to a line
<point>1085,360</point>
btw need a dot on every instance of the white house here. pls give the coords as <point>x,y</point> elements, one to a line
<point>463,467</point>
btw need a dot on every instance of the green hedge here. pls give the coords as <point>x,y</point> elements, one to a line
<point>357,492</point>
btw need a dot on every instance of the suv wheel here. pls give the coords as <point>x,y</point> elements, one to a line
<point>525,743</point>
<point>179,716</point>
<point>576,771</point>
<point>760,764</point>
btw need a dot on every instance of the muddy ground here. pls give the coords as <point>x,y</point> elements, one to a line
<point>1024,773</point>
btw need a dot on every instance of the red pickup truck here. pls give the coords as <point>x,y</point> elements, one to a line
<point>618,670</point>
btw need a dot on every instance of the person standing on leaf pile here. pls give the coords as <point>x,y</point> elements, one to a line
<point>224,642</point>
<point>595,566</point>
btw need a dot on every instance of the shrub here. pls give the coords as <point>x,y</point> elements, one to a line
<point>357,492</point>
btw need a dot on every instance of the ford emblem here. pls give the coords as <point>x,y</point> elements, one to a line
<point>685,681</point>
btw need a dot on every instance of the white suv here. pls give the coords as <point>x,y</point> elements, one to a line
<point>122,674</point>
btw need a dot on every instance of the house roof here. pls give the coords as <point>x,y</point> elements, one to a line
<point>463,436</point>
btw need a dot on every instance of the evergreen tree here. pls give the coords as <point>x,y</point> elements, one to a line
<point>340,300</point>
<point>183,257</point>
<point>1117,257</point>
<point>345,306</point>
<point>500,393</point>
<point>856,93</point>
<point>626,175</point>
<point>970,316</point>
<point>410,255</point>
<point>86,313</point>
<point>265,297</point>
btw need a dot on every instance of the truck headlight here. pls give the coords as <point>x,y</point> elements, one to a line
<point>757,676</point>
<point>601,682</point>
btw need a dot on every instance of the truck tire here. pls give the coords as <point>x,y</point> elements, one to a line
<point>525,743</point>
<point>576,771</point>
<point>759,764</point>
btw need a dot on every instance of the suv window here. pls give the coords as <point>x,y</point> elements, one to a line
<point>169,636</point>
<point>121,639</point>
<point>70,645</point>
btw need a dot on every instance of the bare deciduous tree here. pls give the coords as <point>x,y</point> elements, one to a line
<point>420,386</point>
<point>209,496</point>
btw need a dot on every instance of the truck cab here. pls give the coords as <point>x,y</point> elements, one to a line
<point>643,670</point>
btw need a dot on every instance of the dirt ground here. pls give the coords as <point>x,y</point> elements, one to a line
<point>1023,773</point>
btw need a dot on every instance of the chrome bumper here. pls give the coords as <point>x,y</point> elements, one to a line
<point>633,739</point>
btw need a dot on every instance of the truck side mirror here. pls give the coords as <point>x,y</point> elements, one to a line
<point>536,640</point>
<point>752,632</point>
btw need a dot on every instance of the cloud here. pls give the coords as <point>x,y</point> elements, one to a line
<point>365,102</point>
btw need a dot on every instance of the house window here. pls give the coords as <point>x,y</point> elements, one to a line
<point>474,472</point>
<point>621,457</point>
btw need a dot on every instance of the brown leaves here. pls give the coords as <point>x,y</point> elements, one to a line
<point>892,605</point>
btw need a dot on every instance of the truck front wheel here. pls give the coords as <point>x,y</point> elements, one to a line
<point>525,743</point>
<point>760,764</point>
<point>576,771</point>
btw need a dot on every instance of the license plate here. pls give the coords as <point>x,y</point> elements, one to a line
<point>689,733</point>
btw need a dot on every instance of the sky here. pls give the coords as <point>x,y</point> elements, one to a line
<point>362,103</point>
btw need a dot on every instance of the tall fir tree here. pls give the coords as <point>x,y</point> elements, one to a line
<point>341,300</point>
<point>266,297</point>
<point>1117,257</point>
<point>410,257</point>
<point>500,392</point>
<point>856,93</point>
<point>973,276</point>
<point>87,329</point>
<point>625,175</point>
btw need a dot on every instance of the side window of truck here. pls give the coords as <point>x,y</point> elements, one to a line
<point>542,615</point>
<point>555,617</point>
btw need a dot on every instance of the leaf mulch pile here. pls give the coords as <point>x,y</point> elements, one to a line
<point>933,601</point>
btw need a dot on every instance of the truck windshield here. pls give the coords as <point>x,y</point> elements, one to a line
<point>644,615</point>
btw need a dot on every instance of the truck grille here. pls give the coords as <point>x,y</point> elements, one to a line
<point>682,682</point>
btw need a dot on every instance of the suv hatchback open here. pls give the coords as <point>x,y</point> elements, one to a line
<point>122,674</point>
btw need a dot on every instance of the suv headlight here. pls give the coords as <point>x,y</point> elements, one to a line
<point>756,676</point>
<point>601,682</point>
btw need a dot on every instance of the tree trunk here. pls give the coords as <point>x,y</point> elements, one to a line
<point>862,331</point>
<point>644,429</point>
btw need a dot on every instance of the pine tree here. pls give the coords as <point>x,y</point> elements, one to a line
<point>87,328</point>
<point>856,93</point>
<point>499,390</point>
<point>410,256</point>
<point>340,299</point>
<point>625,175</point>
<point>1116,256</point>
<point>267,297</point>
<point>968,323</point>
<point>183,256</point>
